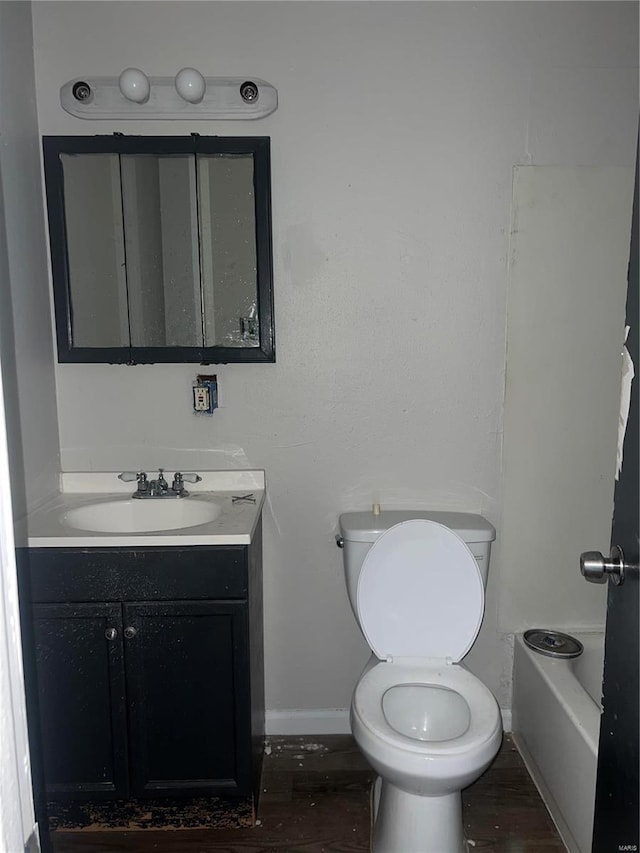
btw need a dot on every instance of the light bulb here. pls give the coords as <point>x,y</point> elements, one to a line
<point>190,85</point>
<point>134,85</point>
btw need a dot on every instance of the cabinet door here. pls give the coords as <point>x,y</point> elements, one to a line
<point>188,694</point>
<point>80,683</point>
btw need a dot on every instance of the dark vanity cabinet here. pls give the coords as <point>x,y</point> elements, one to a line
<point>81,697</point>
<point>144,669</point>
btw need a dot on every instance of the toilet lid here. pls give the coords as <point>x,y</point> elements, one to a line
<point>420,593</point>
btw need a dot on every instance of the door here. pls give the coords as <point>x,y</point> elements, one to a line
<point>80,683</point>
<point>617,808</point>
<point>187,686</point>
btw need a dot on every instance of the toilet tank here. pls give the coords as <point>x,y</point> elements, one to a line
<point>359,530</point>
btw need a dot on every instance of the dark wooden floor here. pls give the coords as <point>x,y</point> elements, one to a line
<point>315,799</point>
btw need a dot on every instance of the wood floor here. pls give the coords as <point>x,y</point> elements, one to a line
<point>315,799</point>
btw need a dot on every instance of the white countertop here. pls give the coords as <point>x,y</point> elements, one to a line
<point>46,527</point>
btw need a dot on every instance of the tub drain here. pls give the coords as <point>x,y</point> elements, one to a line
<point>554,644</point>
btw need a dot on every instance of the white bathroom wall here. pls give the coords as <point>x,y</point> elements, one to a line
<point>392,152</point>
<point>569,255</point>
<point>25,320</point>
<point>17,818</point>
<point>29,444</point>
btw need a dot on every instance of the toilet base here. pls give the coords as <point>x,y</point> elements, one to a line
<point>415,824</point>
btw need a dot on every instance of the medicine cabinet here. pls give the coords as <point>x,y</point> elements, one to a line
<point>161,248</point>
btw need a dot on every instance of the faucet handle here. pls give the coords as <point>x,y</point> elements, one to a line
<point>130,476</point>
<point>180,479</point>
<point>190,477</point>
<point>141,477</point>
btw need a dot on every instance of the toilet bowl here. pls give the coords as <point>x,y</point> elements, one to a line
<point>426,724</point>
<point>428,730</point>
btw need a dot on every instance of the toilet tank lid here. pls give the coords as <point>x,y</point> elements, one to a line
<point>367,527</point>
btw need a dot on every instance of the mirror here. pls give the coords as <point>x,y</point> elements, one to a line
<point>161,248</point>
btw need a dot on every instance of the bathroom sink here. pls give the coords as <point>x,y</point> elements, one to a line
<point>141,516</point>
<point>97,510</point>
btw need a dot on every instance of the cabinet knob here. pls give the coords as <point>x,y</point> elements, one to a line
<point>111,633</point>
<point>130,632</point>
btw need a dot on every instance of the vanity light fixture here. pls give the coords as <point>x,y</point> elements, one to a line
<point>134,85</point>
<point>189,95</point>
<point>191,85</point>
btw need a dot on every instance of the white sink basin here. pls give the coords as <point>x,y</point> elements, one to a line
<point>141,516</point>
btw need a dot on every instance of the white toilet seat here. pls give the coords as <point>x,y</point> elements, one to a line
<point>420,593</point>
<point>484,712</point>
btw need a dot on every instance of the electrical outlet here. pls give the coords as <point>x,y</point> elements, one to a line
<point>205,395</point>
<point>201,398</point>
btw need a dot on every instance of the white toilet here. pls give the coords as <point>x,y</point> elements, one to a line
<point>427,726</point>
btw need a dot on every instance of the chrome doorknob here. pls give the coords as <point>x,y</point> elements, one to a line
<point>598,569</point>
<point>130,632</point>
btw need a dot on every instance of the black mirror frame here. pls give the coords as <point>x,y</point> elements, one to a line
<point>258,146</point>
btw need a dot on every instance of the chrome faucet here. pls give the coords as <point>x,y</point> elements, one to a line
<point>159,488</point>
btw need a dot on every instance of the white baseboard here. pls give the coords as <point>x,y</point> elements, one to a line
<point>507,725</point>
<point>326,721</point>
<point>320,721</point>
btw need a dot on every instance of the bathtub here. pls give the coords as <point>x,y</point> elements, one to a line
<point>556,724</point>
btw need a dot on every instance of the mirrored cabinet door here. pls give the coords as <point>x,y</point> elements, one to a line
<point>95,250</point>
<point>161,248</point>
<point>159,212</point>
<point>226,212</point>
